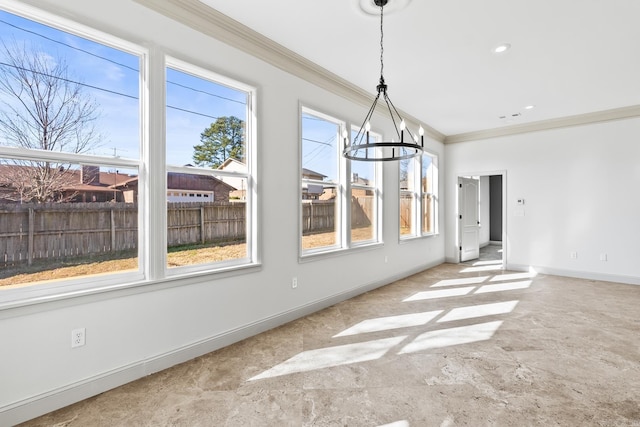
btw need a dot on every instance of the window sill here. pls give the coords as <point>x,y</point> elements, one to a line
<point>334,252</point>
<point>36,299</point>
<point>412,238</point>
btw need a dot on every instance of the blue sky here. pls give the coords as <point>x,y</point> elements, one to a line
<point>111,78</point>
<point>319,150</point>
<point>95,66</point>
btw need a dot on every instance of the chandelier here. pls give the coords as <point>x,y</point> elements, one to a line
<point>363,147</point>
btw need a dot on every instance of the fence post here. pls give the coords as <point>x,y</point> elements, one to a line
<point>30,244</point>
<point>113,231</point>
<point>202,237</point>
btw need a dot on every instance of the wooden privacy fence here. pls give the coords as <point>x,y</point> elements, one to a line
<point>60,230</point>
<point>319,215</point>
<point>30,232</point>
<point>199,223</point>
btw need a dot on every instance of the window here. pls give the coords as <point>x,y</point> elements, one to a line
<point>322,191</point>
<point>340,198</point>
<point>364,198</point>
<point>69,154</point>
<point>208,151</point>
<point>428,185</point>
<point>75,188</point>
<point>418,196</point>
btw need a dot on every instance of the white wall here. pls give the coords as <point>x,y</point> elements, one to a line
<point>580,186</point>
<point>133,332</point>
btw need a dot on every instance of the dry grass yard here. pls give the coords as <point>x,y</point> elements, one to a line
<point>197,255</point>
<point>178,258</point>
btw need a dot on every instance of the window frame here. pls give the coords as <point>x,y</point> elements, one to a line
<point>46,290</point>
<point>152,170</point>
<point>340,242</point>
<point>250,149</point>
<point>377,195</point>
<point>417,198</point>
<point>344,190</point>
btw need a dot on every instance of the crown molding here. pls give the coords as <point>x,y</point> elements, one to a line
<point>562,122</point>
<point>205,19</point>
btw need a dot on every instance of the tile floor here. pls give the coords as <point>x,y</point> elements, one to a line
<point>456,345</point>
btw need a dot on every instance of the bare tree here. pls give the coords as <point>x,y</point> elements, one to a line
<point>43,107</point>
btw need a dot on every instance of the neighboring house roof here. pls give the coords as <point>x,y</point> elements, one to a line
<point>233,164</point>
<point>108,181</point>
<point>178,181</point>
<point>8,174</point>
<point>308,173</point>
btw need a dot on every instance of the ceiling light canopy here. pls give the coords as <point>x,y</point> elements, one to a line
<point>365,148</point>
<point>371,7</point>
<point>502,48</point>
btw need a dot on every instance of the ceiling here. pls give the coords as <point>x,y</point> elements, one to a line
<point>567,58</point>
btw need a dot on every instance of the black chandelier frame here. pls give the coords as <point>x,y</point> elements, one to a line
<point>362,148</point>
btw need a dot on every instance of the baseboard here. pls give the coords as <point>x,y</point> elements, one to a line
<point>604,277</point>
<point>44,403</point>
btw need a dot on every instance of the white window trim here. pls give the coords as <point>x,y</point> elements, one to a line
<point>37,292</point>
<point>250,143</point>
<point>344,187</point>
<point>377,194</point>
<point>152,177</point>
<point>434,193</point>
<point>417,204</point>
<point>341,238</point>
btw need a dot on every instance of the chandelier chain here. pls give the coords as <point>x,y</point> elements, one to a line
<point>381,44</point>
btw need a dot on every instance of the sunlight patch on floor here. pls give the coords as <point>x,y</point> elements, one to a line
<point>390,322</point>
<point>440,294</point>
<point>456,282</point>
<point>513,276</point>
<point>452,336</point>
<point>403,423</point>
<point>332,356</point>
<point>504,287</point>
<point>491,262</point>
<point>414,341</point>
<point>482,268</point>
<point>481,310</point>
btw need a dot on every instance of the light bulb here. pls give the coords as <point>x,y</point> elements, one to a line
<point>402,125</point>
<point>421,131</point>
<point>367,127</point>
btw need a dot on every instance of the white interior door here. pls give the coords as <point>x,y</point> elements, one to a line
<point>468,219</point>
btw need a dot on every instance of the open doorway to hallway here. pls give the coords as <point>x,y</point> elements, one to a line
<point>481,218</point>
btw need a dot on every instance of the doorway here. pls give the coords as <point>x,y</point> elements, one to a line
<point>481,217</point>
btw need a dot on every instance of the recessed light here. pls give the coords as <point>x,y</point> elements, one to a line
<point>529,107</point>
<point>502,48</point>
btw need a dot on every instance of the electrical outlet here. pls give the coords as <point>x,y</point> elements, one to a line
<point>573,255</point>
<point>294,283</point>
<point>78,337</point>
<point>603,256</point>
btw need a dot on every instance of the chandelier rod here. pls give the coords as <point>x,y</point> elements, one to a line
<point>381,43</point>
